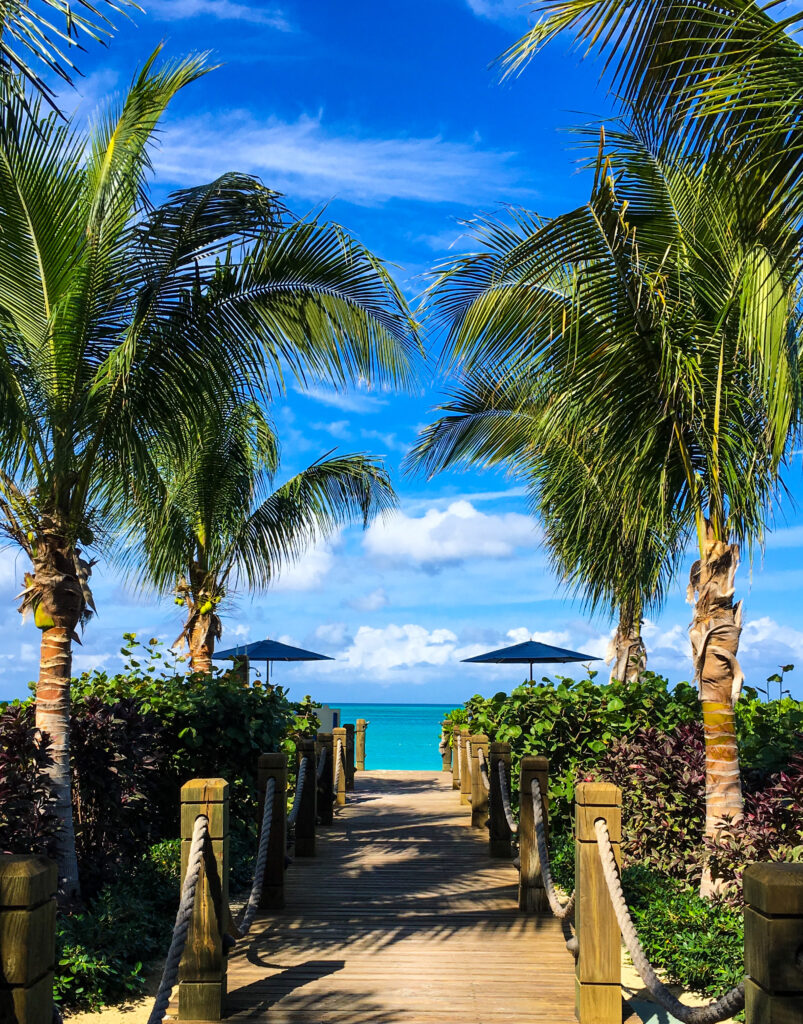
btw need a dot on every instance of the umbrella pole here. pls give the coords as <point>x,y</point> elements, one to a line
<point>531,671</point>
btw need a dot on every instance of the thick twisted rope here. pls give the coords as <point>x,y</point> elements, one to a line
<point>720,1009</point>
<point>511,821</point>
<point>338,766</point>
<point>200,833</point>
<point>483,768</point>
<point>443,746</point>
<point>248,912</point>
<point>457,756</point>
<point>292,817</point>
<point>322,764</point>
<point>560,910</point>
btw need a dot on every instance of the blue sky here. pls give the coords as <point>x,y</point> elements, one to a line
<point>389,114</point>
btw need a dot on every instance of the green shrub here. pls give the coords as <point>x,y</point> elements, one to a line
<point>698,943</point>
<point>104,950</point>
<point>574,722</point>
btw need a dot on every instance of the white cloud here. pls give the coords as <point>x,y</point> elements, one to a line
<point>89,662</point>
<point>501,10</point>
<point>389,441</point>
<point>675,638</point>
<point>370,602</point>
<point>348,401</point>
<point>309,572</point>
<point>380,651</point>
<point>459,532</point>
<point>788,537</point>
<point>307,159</point>
<point>334,633</point>
<point>338,429</point>
<point>224,10</point>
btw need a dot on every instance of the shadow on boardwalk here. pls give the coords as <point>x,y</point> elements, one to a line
<point>402,918</point>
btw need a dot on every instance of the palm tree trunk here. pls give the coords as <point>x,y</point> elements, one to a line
<point>53,717</point>
<point>714,634</point>
<point>627,652</point>
<point>201,637</point>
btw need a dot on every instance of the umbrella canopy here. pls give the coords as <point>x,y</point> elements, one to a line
<point>270,650</point>
<point>528,653</point>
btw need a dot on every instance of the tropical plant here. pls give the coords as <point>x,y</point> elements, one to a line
<point>493,417</point>
<point>27,30</point>
<point>675,350</point>
<point>216,522</point>
<point>117,317</point>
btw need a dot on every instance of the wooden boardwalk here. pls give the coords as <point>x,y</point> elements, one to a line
<point>402,918</point>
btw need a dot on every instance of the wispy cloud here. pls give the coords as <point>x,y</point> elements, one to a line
<point>313,161</point>
<point>502,10</point>
<point>347,401</point>
<point>224,10</point>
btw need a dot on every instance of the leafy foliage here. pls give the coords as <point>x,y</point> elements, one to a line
<point>574,722</point>
<point>27,824</point>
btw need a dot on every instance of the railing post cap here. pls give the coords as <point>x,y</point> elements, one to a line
<point>324,737</point>
<point>272,761</point>
<point>306,743</point>
<point>478,737</point>
<point>598,794</point>
<point>361,721</point>
<point>497,747</point>
<point>204,791</point>
<point>26,880</point>
<point>532,763</point>
<point>774,888</point>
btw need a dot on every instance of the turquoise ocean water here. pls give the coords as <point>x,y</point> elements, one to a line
<point>399,735</point>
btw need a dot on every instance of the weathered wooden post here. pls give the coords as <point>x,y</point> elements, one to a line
<point>240,666</point>
<point>308,801</point>
<point>499,834</point>
<point>350,752</point>
<point>339,771</point>
<point>325,791</point>
<point>445,749</point>
<point>479,794</point>
<point>273,766</point>
<point>27,938</point>
<point>202,972</point>
<point>773,943</point>
<point>598,971</point>
<point>359,754</point>
<point>465,765</point>
<point>532,897</point>
<point>457,739</point>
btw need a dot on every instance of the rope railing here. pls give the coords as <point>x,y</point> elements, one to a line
<point>560,910</point>
<point>512,824</point>
<point>338,766</point>
<point>483,764</point>
<point>200,834</point>
<point>718,1010</point>
<point>248,912</point>
<point>321,764</point>
<point>292,817</point>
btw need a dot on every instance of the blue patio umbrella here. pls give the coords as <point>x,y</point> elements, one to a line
<point>528,653</point>
<point>268,651</point>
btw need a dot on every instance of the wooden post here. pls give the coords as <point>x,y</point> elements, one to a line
<point>202,972</point>
<point>532,897</point>
<point>340,789</point>
<point>479,794</point>
<point>499,834</point>
<point>359,755</point>
<point>273,766</point>
<point>465,765</point>
<point>307,811</point>
<point>446,750</point>
<point>240,666</point>
<point>456,744</point>
<point>27,938</point>
<point>325,792</point>
<point>773,943</point>
<point>598,972</point>
<point>350,750</point>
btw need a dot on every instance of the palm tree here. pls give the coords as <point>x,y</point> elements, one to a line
<point>495,418</point>
<point>676,349</point>
<point>28,32</point>
<point>117,317</point>
<point>216,521</point>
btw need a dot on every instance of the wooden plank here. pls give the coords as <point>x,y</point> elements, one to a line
<point>402,918</point>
